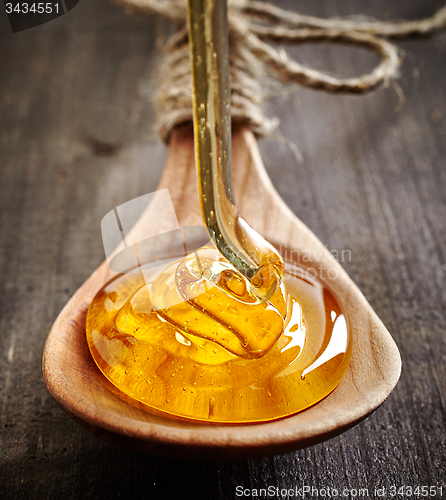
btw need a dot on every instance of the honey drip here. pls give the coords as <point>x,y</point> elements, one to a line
<point>228,333</point>
<point>246,249</point>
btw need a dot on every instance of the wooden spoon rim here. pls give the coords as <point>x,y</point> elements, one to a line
<point>248,439</point>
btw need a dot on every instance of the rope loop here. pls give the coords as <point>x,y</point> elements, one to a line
<point>253,25</point>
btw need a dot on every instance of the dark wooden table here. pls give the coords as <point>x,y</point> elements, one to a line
<point>76,140</point>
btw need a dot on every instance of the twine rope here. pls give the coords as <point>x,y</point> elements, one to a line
<point>252,26</point>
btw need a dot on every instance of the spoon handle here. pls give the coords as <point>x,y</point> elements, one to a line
<point>257,200</point>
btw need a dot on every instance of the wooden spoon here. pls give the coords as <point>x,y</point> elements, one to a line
<point>81,390</point>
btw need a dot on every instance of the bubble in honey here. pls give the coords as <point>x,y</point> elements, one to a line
<point>193,341</point>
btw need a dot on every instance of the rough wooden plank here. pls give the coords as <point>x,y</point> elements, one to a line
<point>373,182</point>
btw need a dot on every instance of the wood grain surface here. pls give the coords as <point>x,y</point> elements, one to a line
<point>76,140</point>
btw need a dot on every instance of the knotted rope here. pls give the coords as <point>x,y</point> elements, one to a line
<point>252,24</point>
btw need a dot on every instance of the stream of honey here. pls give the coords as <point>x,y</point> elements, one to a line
<point>229,333</point>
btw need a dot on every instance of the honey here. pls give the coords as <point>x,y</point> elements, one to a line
<point>229,333</point>
<point>194,342</point>
<point>247,250</point>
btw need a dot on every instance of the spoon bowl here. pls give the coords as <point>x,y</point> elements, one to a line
<point>88,398</point>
